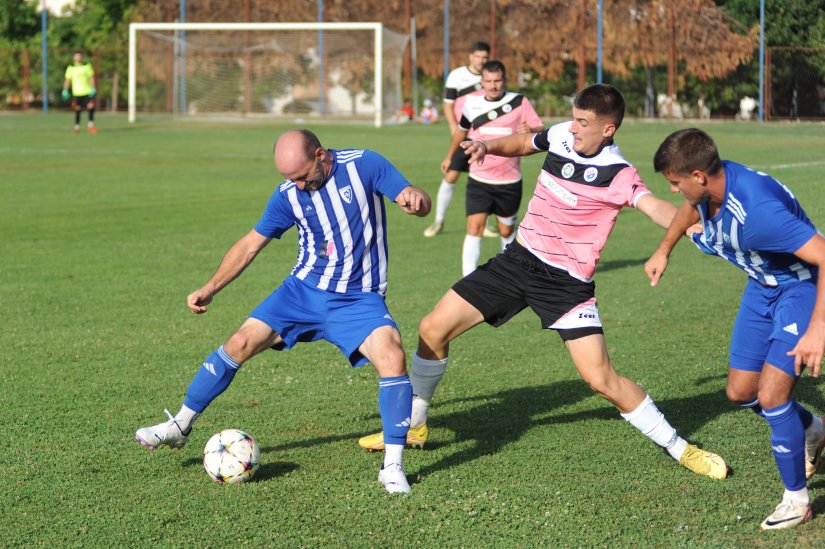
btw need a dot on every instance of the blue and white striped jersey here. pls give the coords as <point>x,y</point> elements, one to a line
<point>758,228</point>
<point>342,233</point>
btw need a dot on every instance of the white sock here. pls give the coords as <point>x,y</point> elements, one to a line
<point>814,434</point>
<point>443,199</point>
<point>470,254</point>
<point>424,376</point>
<point>185,418</point>
<point>799,496</point>
<point>652,423</point>
<point>393,454</point>
<point>420,409</point>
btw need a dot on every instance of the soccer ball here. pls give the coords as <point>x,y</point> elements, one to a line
<point>231,456</point>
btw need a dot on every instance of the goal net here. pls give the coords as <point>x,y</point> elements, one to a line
<point>307,70</point>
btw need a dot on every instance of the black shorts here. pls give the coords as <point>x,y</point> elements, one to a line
<point>460,162</point>
<point>516,279</point>
<point>502,200</point>
<point>83,102</point>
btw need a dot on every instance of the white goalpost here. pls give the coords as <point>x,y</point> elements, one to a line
<point>277,69</point>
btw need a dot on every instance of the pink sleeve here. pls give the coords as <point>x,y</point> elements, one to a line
<point>628,186</point>
<point>530,117</point>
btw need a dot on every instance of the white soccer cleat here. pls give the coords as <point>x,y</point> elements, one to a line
<point>167,433</point>
<point>787,515</point>
<point>394,480</point>
<point>434,229</point>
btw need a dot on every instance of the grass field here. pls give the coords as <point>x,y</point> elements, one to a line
<point>102,237</point>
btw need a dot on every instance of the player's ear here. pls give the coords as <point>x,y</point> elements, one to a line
<point>699,177</point>
<point>609,130</point>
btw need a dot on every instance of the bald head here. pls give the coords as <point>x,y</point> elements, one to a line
<point>300,157</point>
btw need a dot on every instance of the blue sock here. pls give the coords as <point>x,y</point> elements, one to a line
<point>788,442</point>
<point>395,405</point>
<point>754,405</point>
<point>804,415</point>
<point>212,379</point>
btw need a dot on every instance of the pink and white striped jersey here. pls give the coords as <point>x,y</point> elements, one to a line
<point>576,201</point>
<point>460,83</point>
<point>485,120</point>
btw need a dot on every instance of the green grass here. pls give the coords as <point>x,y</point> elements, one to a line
<point>101,239</point>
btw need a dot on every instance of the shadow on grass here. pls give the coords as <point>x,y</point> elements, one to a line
<point>506,416</point>
<point>619,264</point>
<point>502,418</point>
<point>265,471</point>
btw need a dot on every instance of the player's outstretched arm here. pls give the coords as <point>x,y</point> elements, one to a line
<point>414,201</point>
<point>810,348</point>
<point>685,217</point>
<point>238,258</point>
<point>518,144</point>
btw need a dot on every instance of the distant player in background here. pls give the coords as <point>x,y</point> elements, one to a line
<point>428,114</point>
<point>756,223</point>
<point>335,292</point>
<point>460,83</point>
<point>495,186</point>
<point>584,183</point>
<point>80,79</point>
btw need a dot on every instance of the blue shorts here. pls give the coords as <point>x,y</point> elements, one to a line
<point>769,324</point>
<point>302,313</point>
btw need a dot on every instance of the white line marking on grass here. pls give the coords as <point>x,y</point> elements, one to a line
<point>116,152</point>
<point>789,166</point>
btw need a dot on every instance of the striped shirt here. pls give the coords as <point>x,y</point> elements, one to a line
<point>342,233</point>
<point>576,201</point>
<point>460,83</point>
<point>758,228</point>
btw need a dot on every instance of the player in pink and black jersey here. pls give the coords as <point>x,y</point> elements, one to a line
<point>493,188</point>
<point>583,185</point>
<point>461,83</point>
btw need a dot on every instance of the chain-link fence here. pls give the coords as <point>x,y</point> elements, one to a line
<point>21,77</point>
<point>794,86</point>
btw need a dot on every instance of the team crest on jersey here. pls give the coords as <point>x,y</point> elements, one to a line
<point>346,194</point>
<point>590,174</point>
<point>492,115</point>
<point>567,170</point>
<point>507,108</point>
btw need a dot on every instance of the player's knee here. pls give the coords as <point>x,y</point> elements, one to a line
<point>430,333</point>
<point>239,346</point>
<point>736,395</point>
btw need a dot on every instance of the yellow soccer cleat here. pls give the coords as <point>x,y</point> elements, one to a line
<point>704,463</point>
<point>416,438</point>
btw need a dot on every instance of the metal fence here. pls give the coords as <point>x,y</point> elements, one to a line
<point>794,86</point>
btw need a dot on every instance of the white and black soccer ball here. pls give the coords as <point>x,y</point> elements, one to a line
<point>231,456</point>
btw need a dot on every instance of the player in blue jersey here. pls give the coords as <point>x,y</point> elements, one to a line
<point>335,292</point>
<point>756,223</point>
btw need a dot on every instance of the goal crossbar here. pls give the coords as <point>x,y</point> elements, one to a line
<point>377,29</point>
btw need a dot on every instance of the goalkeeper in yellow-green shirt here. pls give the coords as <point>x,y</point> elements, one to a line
<point>81,77</point>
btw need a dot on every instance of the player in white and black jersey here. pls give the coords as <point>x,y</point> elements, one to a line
<point>460,84</point>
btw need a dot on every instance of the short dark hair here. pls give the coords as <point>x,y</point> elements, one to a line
<point>311,143</point>
<point>495,66</point>
<point>604,100</point>
<point>480,46</point>
<point>687,150</point>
